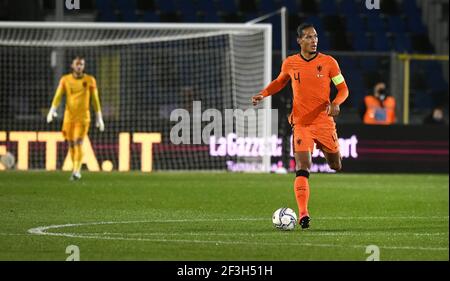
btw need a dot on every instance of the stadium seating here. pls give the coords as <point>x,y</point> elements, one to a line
<point>344,16</point>
<point>105,11</point>
<point>328,7</point>
<point>343,25</point>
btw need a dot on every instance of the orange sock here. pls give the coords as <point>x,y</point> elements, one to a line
<point>301,188</point>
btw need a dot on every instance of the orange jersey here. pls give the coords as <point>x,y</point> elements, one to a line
<point>310,80</point>
<point>79,92</point>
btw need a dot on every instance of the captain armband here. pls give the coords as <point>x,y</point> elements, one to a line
<point>338,79</point>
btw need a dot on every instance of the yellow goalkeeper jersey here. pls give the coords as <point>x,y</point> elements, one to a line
<point>79,92</point>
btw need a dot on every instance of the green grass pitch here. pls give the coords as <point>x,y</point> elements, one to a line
<point>220,216</point>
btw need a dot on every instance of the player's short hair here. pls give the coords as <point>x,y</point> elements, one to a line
<point>302,27</point>
<point>78,58</point>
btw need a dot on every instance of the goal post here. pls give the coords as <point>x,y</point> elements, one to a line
<point>145,72</point>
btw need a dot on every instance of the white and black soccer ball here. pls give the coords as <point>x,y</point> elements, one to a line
<point>8,160</point>
<point>284,219</point>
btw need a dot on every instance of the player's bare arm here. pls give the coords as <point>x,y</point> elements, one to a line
<point>333,109</point>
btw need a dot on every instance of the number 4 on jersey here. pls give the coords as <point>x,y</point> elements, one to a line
<point>297,77</point>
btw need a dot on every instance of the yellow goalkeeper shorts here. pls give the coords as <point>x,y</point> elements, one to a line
<point>73,131</point>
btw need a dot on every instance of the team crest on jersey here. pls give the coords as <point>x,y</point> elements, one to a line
<point>319,71</point>
<point>84,84</point>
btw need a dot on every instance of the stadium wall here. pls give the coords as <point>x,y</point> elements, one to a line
<point>365,149</point>
<point>398,148</point>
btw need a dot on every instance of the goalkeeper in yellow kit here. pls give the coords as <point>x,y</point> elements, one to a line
<point>79,89</point>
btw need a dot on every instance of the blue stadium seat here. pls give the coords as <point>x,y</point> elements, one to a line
<point>435,78</point>
<point>267,6</point>
<point>105,11</point>
<point>228,6</point>
<point>103,5</point>
<point>360,41</point>
<point>248,6</point>
<point>380,42</point>
<point>186,5</point>
<point>276,32</point>
<point>347,63</point>
<point>188,10</point>
<point>129,16</point>
<point>355,83</point>
<point>166,6</point>
<point>211,16</point>
<point>351,72</point>
<point>369,63</point>
<point>328,7</point>
<point>348,8</point>
<point>375,22</point>
<point>150,16</point>
<point>395,24</point>
<point>145,5</point>
<point>293,45</point>
<point>291,6</point>
<point>206,6</point>
<point>317,24</point>
<point>422,99</point>
<point>414,19</point>
<point>402,42</point>
<point>355,24</point>
<point>189,16</point>
<point>418,76</point>
<point>324,42</point>
<point>309,7</point>
<point>410,8</point>
<point>416,25</point>
<point>127,10</point>
<point>123,5</point>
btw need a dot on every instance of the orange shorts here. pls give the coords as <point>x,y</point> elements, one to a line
<point>73,131</point>
<point>324,135</point>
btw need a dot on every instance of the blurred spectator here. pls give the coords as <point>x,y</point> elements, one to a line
<point>436,116</point>
<point>378,108</point>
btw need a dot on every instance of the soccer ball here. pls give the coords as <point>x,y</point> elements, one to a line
<point>8,160</point>
<point>284,219</point>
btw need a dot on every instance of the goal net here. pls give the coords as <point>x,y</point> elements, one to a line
<point>165,90</point>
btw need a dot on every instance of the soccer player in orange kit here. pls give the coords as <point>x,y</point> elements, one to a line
<point>79,88</point>
<point>312,113</point>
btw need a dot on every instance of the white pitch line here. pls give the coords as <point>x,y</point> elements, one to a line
<point>13,234</point>
<point>218,242</point>
<point>248,234</point>
<point>42,230</point>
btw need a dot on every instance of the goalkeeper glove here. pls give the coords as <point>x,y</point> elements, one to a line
<point>99,121</point>
<point>51,114</point>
